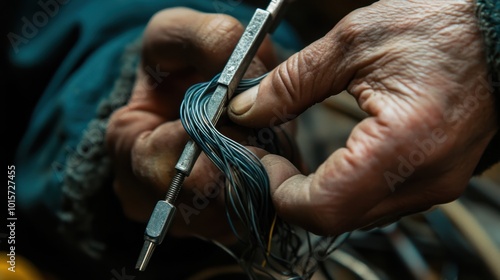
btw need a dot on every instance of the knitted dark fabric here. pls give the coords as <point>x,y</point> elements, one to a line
<point>488,14</point>
<point>88,169</point>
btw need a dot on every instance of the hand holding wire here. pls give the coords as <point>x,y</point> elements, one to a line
<point>145,137</point>
<point>262,22</point>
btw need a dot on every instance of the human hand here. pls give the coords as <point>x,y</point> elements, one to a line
<point>181,47</point>
<point>418,69</point>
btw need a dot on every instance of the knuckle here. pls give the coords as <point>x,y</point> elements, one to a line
<point>140,151</point>
<point>304,78</point>
<point>166,16</point>
<point>350,28</point>
<point>116,121</point>
<point>293,80</point>
<point>285,86</point>
<point>158,23</point>
<point>313,69</point>
<point>224,25</point>
<point>220,27</point>
<point>359,30</point>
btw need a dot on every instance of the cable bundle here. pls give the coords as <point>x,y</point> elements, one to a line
<point>272,247</point>
<point>247,182</point>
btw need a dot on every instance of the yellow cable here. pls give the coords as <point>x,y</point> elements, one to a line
<point>269,241</point>
<point>475,234</point>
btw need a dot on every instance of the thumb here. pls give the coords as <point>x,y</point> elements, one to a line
<point>306,78</point>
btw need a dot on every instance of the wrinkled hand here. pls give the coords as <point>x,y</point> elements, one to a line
<point>418,69</point>
<point>181,47</point>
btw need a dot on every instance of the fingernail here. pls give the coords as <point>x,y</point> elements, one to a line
<point>244,101</point>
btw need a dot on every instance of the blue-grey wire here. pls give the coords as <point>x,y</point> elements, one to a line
<point>247,192</point>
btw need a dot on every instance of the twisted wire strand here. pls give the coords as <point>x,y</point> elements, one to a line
<point>247,193</point>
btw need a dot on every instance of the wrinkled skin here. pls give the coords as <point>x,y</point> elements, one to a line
<point>181,47</point>
<point>418,69</point>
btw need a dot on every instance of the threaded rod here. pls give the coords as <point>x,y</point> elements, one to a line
<point>175,187</point>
